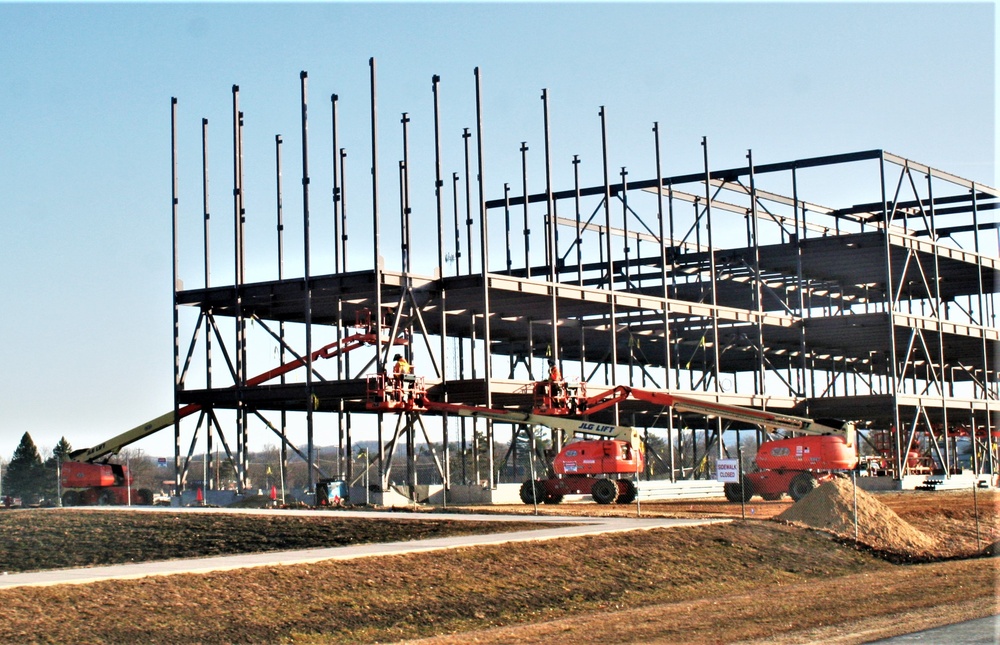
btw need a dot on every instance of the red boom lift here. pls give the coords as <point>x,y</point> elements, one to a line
<point>585,466</point>
<point>793,465</point>
<point>598,467</point>
<point>88,478</point>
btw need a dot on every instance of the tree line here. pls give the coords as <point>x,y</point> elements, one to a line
<point>34,479</point>
<point>31,479</point>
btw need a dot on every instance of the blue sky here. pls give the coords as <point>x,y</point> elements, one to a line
<point>85,160</point>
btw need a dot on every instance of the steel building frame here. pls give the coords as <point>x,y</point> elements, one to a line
<point>881,310</point>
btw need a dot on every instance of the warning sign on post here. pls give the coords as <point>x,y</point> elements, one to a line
<point>727,470</point>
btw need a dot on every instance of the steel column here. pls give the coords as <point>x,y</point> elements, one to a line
<point>484,242</point>
<point>612,313</point>
<point>307,302</point>
<point>174,202</point>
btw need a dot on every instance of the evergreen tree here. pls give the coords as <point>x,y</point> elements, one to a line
<point>62,450</point>
<point>50,489</point>
<point>25,476</point>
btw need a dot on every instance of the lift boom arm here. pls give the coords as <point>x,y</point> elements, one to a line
<point>764,418</point>
<point>571,427</point>
<point>112,446</point>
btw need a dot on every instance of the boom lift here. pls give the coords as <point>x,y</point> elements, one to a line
<point>584,466</point>
<point>794,465</point>
<point>88,478</point>
<point>595,466</point>
<point>561,398</point>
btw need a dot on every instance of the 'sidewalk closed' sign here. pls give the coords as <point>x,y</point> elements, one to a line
<point>727,470</point>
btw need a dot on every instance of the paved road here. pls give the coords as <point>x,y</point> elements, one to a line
<point>576,526</point>
<point>982,631</point>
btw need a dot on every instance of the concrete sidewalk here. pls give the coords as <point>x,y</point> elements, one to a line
<point>577,526</point>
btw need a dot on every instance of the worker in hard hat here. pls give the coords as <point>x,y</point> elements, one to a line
<point>399,370</point>
<point>555,381</point>
<point>554,373</point>
<point>401,367</point>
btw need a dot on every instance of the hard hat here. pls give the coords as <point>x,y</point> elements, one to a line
<point>552,361</point>
<point>397,357</point>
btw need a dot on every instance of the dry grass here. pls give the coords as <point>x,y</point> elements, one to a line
<point>56,539</point>
<point>743,581</point>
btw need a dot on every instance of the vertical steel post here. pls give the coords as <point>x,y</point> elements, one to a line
<point>438,182</point>
<point>208,280</point>
<point>983,322</point>
<point>612,314</point>
<point>980,291</point>
<point>337,233</point>
<point>579,224</point>
<point>551,247</point>
<point>280,212</point>
<point>439,208</point>
<point>627,270</point>
<point>666,293</point>
<point>307,301</point>
<point>337,257</point>
<point>484,244</point>
<point>460,366</point>
<point>800,286</point>
<point>550,228</point>
<point>376,250</point>
<point>376,239</point>
<point>661,231</point>
<point>405,192</point>
<point>526,231</point>
<point>506,227</point>
<point>939,315</point>
<point>174,202</point>
<point>343,218</point>
<point>889,307</point>
<point>245,463</point>
<point>625,246</point>
<point>458,230</point>
<point>239,215</point>
<point>466,135</point>
<point>757,292</point>
<point>205,206</point>
<point>715,300</point>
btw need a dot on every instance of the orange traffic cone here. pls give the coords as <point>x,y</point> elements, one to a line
<point>200,497</point>
<point>274,495</point>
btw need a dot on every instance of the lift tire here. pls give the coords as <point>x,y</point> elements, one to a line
<point>801,485</point>
<point>627,491</point>
<point>772,497</point>
<point>538,486</point>
<point>144,497</point>
<point>604,491</point>
<point>105,499</point>
<point>553,499</point>
<point>71,498</point>
<point>734,492</point>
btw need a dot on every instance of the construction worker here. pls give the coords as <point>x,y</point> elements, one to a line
<point>400,369</point>
<point>555,381</point>
<point>554,373</point>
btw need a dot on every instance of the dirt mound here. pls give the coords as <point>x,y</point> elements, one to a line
<point>831,507</point>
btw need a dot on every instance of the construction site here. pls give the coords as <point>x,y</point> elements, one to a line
<point>703,311</point>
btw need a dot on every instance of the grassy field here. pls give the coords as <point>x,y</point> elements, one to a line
<point>36,540</point>
<point>747,581</point>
